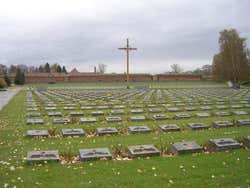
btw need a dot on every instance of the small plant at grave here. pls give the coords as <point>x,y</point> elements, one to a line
<point>163,145</point>
<point>67,155</point>
<point>118,150</point>
<point>52,131</point>
<point>73,120</point>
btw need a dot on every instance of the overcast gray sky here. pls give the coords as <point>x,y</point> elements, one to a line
<point>84,33</point>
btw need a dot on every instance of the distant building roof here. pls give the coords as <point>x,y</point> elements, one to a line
<point>74,71</point>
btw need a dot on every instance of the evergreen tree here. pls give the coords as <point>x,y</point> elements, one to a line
<point>64,70</point>
<point>20,77</point>
<point>58,69</point>
<point>47,68</point>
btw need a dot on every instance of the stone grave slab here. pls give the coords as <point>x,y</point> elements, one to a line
<point>169,127</point>
<point>137,111</point>
<point>113,119</point>
<point>88,120</point>
<point>236,106</point>
<point>223,144</point>
<point>40,156</point>
<point>33,114</point>
<point>69,108</point>
<point>143,151</point>
<point>173,109</point>
<point>61,121</point>
<point>185,147</point>
<point>238,113</point>
<point>96,113</point>
<point>203,115</point>
<point>32,109</point>
<point>86,107</point>
<point>242,122</point>
<point>154,110</point>
<point>73,132</point>
<point>197,126</point>
<point>222,107</point>
<point>139,129</point>
<point>94,154</point>
<point>55,114</point>
<point>137,118</point>
<point>117,112</point>
<point>106,130</point>
<point>221,114</point>
<point>190,108</point>
<point>246,141</point>
<point>206,108</point>
<point>160,117</point>
<point>181,116</point>
<point>222,124</point>
<point>34,121</point>
<point>33,133</point>
<point>75,114</point>
<point>50,108</point>
<point>102,107</point>
<point>119,107</point>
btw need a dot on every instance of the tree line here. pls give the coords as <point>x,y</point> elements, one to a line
<point>47,68</point>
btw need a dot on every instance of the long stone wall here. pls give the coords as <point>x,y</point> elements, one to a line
<point>54,78</point>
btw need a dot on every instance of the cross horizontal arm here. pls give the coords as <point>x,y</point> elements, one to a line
<point>127,48</point>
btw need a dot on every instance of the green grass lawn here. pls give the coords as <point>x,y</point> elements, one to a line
<point>221,169</point>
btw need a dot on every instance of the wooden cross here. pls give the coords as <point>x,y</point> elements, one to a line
<point>127,48</point>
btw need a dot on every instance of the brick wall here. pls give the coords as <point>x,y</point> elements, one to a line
<point>46,78</point>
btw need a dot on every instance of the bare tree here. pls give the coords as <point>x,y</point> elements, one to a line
<point>176,68</point>
<point>102,68</point>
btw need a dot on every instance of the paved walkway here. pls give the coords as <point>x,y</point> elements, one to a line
<point>6,96</point>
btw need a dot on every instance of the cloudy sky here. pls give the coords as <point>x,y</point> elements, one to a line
<point>84,33</point>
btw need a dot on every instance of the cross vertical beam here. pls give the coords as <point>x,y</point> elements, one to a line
<point>127,48</point>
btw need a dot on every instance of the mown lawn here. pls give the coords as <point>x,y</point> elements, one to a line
<point>222,169</point>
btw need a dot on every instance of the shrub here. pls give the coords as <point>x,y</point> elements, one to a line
<point>7,80</point>
<point>2,83</point>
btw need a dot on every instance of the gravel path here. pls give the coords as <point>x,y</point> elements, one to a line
<point>6,96</point>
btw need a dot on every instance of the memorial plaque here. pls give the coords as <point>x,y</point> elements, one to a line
<point>139,129</point>
<point>137,118</point>
<point>73,132</point>
<point>117,112</point>
<point>33,114</point>
<point>34,121</point>
<point>113,119</point>
<point>181,116</point>
<point>238,113</point>
<point>203,115</point>
<point>94,154</point>
<point>160,117</point>
<point>33,133</point>
<point>143,151</point>
<point>55,114</point>
<point>106,130</point>
<point>61,121</point>
<point>221,114</point>
<point>169,127</point>
<point>197,126</point>
<point>88,120</point>
<point>242,122</point>
<point>75,114</point>
<point>222,124</point>
<point>96,113</point>
<point>223,144</point>
<point>246,141</point>
<point>185,147</point>
<point>40,156</point>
